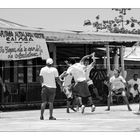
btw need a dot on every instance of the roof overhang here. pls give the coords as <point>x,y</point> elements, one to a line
<point>86,38</point>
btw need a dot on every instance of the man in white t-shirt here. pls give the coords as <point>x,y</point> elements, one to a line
<point>81,87</point>
<point>132,84</point>
<point>48,77</point>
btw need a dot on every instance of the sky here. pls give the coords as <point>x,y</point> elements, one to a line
<point>53,19</point>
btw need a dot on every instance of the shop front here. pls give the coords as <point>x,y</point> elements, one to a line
<point>23,52</point>
<point>109,52</point>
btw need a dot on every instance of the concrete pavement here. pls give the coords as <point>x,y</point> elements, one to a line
<point>118,119</point>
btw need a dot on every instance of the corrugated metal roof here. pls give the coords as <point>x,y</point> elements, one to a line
<point>89,37</point>
<point>72,36</point>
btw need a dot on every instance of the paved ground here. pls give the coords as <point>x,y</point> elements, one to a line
<point>118,119</point>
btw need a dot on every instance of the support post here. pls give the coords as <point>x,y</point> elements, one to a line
<point>52,50</point>
<point>108,60</point>
<point>116,59</point>
<point>105,63</point>
<point>54,54</point>
<point>122,59</point>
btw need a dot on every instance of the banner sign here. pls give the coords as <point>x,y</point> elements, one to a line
<point>22,45</point>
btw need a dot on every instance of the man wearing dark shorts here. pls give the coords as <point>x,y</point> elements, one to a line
<point>48,78</point>
<point>48,94</point>
<point>81,87</point>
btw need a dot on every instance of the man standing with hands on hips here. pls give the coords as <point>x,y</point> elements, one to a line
<point>48,78</point>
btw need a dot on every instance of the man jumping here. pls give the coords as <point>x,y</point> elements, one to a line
<point>81,87</point>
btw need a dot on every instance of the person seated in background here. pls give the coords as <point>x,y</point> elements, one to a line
<point>134,88</point>
<point>117,88</point>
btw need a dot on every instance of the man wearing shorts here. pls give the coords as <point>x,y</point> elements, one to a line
<point>81,87</point>
<point>117,88</point>
<point>48,78</point>
<point>67,90</point>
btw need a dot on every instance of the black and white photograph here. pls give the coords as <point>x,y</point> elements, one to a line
<point>70,69</point>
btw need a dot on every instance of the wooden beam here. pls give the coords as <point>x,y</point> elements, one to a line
<point>116,59</point>
<point>122,59</point>
<point>54,54</point>
<point>108,60</point>
<point>105,62</point>
<point>93,37</point>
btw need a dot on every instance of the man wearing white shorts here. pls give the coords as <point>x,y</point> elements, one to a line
<point>67,87</point>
